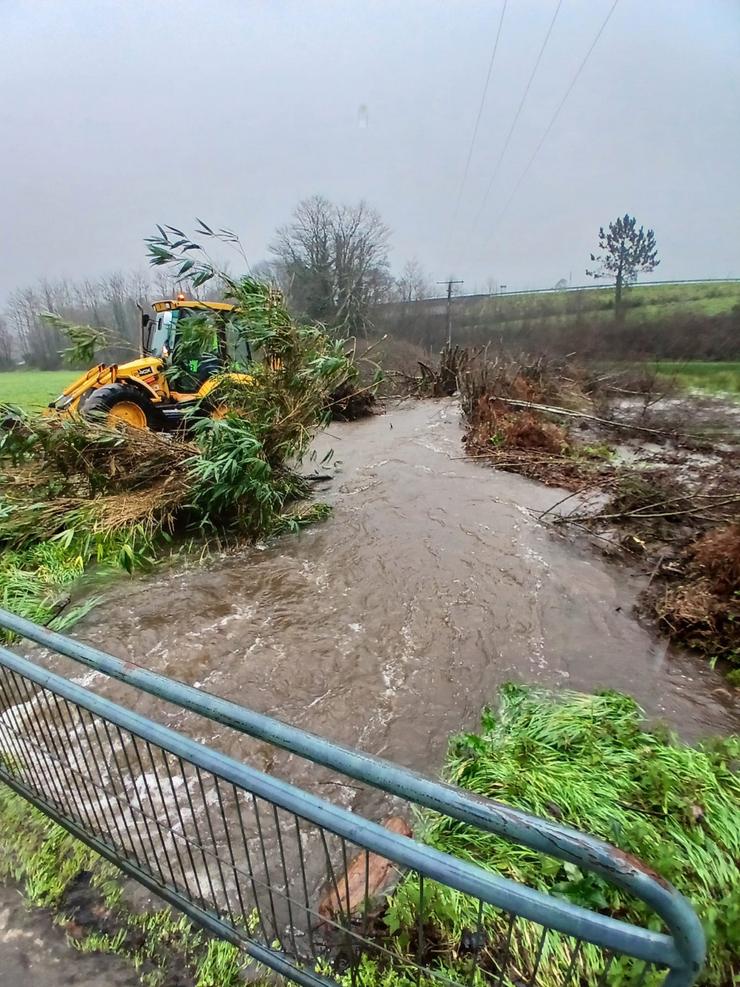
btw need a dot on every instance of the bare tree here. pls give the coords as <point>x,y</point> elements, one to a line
<point>40,344</point>
<point>413,284</point>
<point>6,345</point>
<point>332,261</point>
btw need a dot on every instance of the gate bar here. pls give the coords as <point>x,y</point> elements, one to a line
<point>534,905</point>
<point>562,842</point>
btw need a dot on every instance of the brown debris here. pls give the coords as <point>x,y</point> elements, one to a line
<point>526,443</point>
<point>372,878</point>
<point>508,428</point>
<point>492,425</point>
<point>703,609</point>
<point>443,380</point>
<point>717,556</point>
<point>692,613</point>
<point>348,403</point>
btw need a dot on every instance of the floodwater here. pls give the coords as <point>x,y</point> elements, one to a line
<point>390,626</point>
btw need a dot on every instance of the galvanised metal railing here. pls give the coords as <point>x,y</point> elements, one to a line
<point>292,879</point>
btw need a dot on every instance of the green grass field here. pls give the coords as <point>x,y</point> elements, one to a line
<point>659,301</point>
<point>33,389</point>
<point>689,318</point>
<point>716,377</point>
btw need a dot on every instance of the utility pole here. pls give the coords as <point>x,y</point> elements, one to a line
<point>449,284</point>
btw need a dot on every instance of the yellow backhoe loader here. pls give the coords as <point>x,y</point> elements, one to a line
<point>154,391</point>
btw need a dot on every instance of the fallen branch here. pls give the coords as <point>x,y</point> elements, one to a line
<point>569,496</point>
<point>637,513</point>
<point>527,456</point>
<point>656,568</point>
<point>360,390</point>
<point>568,413</point>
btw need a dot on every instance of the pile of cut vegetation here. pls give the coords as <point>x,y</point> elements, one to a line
<point>75,492</point>
<point>685,531</point>
<point>703,608</point>
<point>502,401</point>
<point>588,762</point>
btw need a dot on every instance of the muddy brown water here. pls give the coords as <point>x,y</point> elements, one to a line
<point>390,625</point>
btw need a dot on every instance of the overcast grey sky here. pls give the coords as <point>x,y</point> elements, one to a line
<point>118,115</point>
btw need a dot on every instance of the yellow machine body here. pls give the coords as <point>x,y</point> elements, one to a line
<point>139,392</point>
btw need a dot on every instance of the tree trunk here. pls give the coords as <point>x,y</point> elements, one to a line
<point>618,313</point>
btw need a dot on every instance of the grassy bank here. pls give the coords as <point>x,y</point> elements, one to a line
<point>33,389</point>
<point>715,377</point>
<point>659,302</point>
<point>687,322</point>
<point>589,762</point>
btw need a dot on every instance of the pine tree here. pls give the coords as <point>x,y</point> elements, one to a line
<point>625,253</point>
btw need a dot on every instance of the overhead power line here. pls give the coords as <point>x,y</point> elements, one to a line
<point>554,117</point>
<point>474,137</point>
<point>518,113</point>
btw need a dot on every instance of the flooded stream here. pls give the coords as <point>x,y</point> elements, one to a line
<point>386,628</point>
<point>389,626</point>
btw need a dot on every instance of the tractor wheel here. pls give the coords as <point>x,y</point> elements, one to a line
<point>116,403</point>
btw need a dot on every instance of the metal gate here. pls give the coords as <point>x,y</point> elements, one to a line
<point>285,875</point>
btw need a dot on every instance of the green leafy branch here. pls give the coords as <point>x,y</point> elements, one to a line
<point>173,247</point>
<point>86,341</point>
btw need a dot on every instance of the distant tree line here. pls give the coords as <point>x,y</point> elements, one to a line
<point>109,301</point>
<point>331,261</point>
<point>6,345</point>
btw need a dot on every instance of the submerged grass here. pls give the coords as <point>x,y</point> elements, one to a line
<point>588,762</point>
<point>35,583</point>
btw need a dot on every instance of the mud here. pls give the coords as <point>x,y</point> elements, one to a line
<point>35,951</point>
<point>389,626</point>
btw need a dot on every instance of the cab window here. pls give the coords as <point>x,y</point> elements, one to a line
<point>161,340</point>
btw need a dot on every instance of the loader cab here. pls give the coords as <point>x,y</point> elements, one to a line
<point>161,333</point>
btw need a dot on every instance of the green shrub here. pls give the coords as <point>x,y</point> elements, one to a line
<point>588,762</point>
